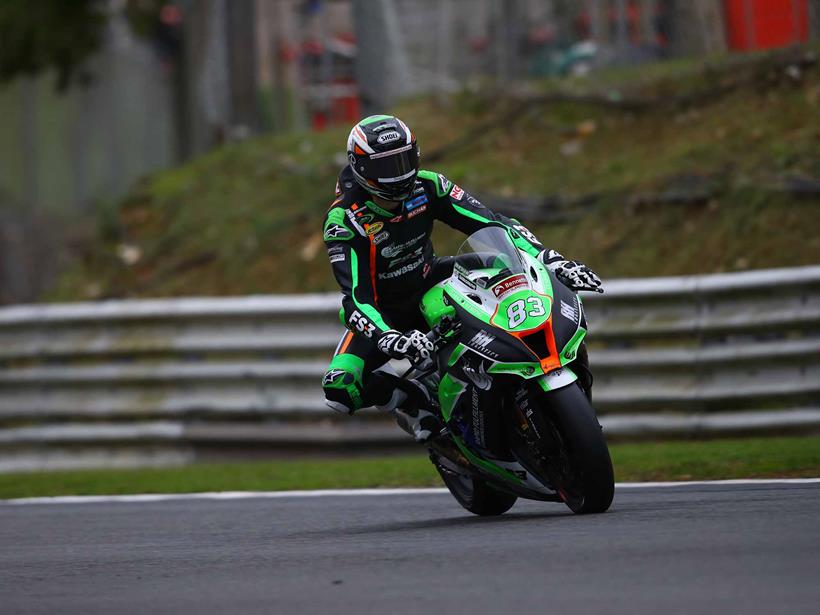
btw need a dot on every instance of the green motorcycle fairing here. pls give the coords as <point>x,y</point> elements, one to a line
<point>518,324</point>
<point>518,312</point>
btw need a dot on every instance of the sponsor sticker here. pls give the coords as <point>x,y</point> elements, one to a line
<point>525,233</point>
<point>337,258</point>
<point>407,257</point>
<point>463,276</point>
<point>387,137</point>
<point>568,311</point>
<point>372,229</point>
<point>416,202</point>
<point>332,376</point>
<point>377,239</point>
<point>336,231</point>
<point>360,323</point>
<point>511,284</point>
<point>351,216</point>
<point>396,219</point>
<point>417,211</point>
<point>481,339</point>
<point>396,249</point>
<point>444,184</point>
<point>457,193</point>
<point>479,377</point>
<point>400,272</point>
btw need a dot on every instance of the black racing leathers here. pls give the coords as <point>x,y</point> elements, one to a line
<point>383,261</point>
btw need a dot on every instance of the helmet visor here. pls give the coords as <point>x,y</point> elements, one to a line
<point>395,167</point>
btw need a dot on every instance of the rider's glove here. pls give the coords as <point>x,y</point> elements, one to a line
<point>572,274</point>
<point>548,257</point>
<point>412,345</point>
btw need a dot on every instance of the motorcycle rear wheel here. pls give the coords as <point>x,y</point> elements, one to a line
<point>475,495</point>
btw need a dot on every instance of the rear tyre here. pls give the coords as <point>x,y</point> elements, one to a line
<point>475,494</point>
<point>587,482</point>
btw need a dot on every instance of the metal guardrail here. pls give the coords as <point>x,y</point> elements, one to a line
<point>164,380</point>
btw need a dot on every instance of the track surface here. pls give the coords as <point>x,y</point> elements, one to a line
<point>688,549</point>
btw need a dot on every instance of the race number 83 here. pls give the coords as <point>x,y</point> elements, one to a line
<point>518,311</point>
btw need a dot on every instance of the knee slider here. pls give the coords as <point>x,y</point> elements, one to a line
<point>343,392</point>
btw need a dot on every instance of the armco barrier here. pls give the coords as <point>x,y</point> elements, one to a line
<point>126,382</point>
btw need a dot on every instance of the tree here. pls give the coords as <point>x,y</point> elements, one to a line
<point>49,34</point>
<point>61,35</point>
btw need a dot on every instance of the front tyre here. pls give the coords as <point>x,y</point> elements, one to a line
<point>475,494</point>
<point>582,463</point>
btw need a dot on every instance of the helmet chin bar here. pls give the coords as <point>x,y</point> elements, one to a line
<point>390,196</point>
<point>400,193</point>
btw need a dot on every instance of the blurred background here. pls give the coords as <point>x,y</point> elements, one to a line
<point>183,149</point>
<point>97,95</point>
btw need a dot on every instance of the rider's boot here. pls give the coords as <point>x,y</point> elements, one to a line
<point>414,415</point>
<point>411,405</point>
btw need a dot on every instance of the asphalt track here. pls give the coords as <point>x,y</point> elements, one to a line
<point>685,549</point>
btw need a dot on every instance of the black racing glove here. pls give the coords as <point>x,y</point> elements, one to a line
<point>573,274</point>
<point>412,345</point>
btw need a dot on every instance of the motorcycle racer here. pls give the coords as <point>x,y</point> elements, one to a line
<point>377,233</point>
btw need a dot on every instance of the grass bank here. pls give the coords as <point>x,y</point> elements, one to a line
<point>737,126</point>
<point>699,460</point>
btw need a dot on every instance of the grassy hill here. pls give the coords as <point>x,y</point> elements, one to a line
<point>673,168</point>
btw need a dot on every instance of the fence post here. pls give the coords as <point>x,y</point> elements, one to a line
<point>622,29</point>
<point>240,40</point>
<point>373,58</point>
<point>444,46</point>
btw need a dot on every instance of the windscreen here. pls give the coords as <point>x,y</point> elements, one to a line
<point>491,248</point>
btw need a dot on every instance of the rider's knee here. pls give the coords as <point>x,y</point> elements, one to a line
<point>343,388</point>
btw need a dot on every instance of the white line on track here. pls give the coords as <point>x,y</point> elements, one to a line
<point>242,495</point>
<point>730,481</point>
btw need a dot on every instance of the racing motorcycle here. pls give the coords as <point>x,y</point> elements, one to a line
<point>517,422</point>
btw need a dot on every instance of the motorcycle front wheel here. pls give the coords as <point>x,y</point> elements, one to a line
<point>575,451</point>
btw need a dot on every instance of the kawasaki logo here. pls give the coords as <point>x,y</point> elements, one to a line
<point>400,272</point>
